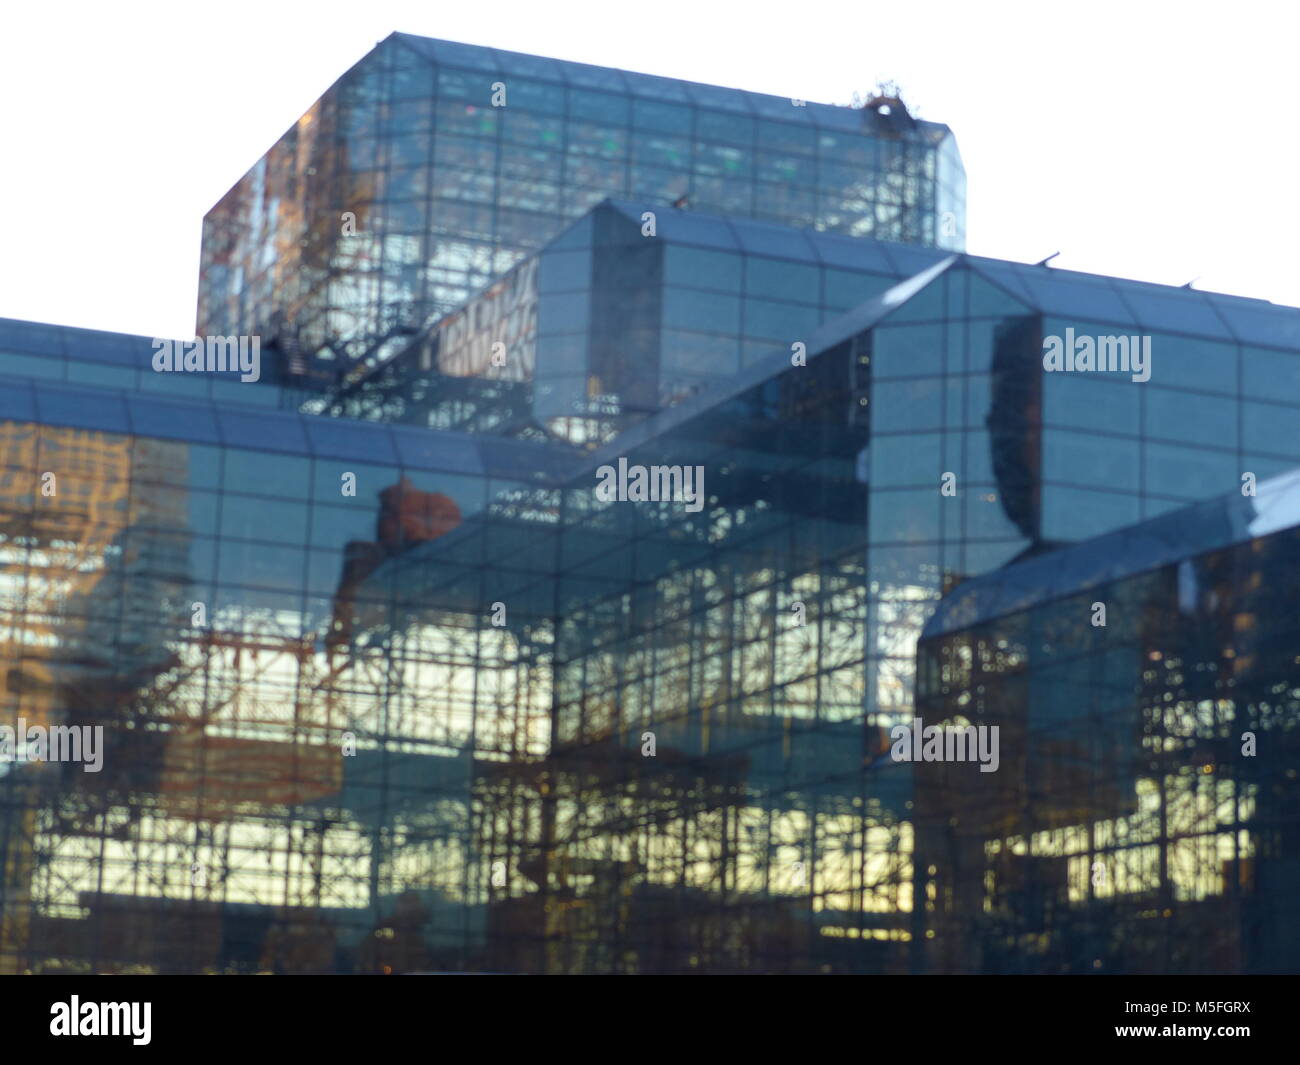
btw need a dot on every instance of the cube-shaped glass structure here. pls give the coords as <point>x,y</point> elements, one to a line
<point>432,167</point>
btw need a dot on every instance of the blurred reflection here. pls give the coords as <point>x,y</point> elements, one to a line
<point>407,516</point>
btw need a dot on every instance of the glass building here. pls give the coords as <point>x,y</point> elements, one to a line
<point>389,682</point>
<point>386,695</point>
<point>431,168</point>
<point>1025,458</point>
<point>1145,815</point>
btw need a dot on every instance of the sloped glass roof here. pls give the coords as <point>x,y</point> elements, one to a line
<point>1134,306</point>
<point>1158,308</point>
<point>76,356</point>
<point>1170,538</point>
<point>770,239</point>
<point>1036,288</point>
<point>821,340</point>
<point>1140,305</point>
<point>867,314</point>
<point>90,345</point>
<point>285,432</point>
<point>1255,321</point>
<point>1077,296</point>
<point>88,409</point>
<point>455,54</point>
<point>836,250</point>
<point>754,237</point>
<point>655,87</point>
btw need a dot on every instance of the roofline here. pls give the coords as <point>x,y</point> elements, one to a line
<point>499,52</point>
<point>1275,508</point>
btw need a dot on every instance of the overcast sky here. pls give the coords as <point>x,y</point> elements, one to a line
<point>1143,140</point>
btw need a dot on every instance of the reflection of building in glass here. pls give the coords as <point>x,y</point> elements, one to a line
<point>604,325</point>
<point>499,810</point>
<point>1146,817</point>
<point>226,830</point>
<point>93,574</point>
<point>431,168</point>
<point>472,716</point>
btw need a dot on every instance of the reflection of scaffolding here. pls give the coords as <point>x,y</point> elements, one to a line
<point>606,866</point>
<point>390,778</point>
<point>208,740</point>
<point>396,780</point>
<point>750,840</point>
<point>1125,830</point>
<point>452,836</point>
<point>881,203</point>
<point>88,573</point>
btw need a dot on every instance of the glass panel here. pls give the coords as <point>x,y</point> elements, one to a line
<point>51,367</point>
<point>907,351</point>
<point>702,269</point>
<point>909,459</point>
<point>903,405</point>
<point>334,438</point>
<point>1269,374</point>
<point>82,408</point>
<point>1091,402</point>
<point>1173,310</point>
<point>780,279</point>
<point>690,308</point>
<point>275,432</point>
<point>1271,429</point>
<point>1190,473</point>
<point>724,127</point>
<point>260,518</point>
<point>257,472</point>
<point>1191,417</point>
<point>436,451</point>
<point>1256,322</point>
<point>17,401</point>
<point>786,137</point>
<point>174,420</point>
<point>845,289</point>
<point>654,114</point>
<point>771,318</point>
<point>1090,459</point>
<point>1072,297</point>
<point>454,54</point>
<point>1076,513</point>
<point>602,107</point>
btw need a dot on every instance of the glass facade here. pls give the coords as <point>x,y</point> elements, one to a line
<point>433,167</point>
<point>388,695</point>
<point>1040,458</point>
<point>614,320</point>
<point>91,360</point>
<point>287,729</point>
<point>629,458</point>
<point>1144,818</point>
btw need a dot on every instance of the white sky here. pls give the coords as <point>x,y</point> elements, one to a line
<point>1145,140</point>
